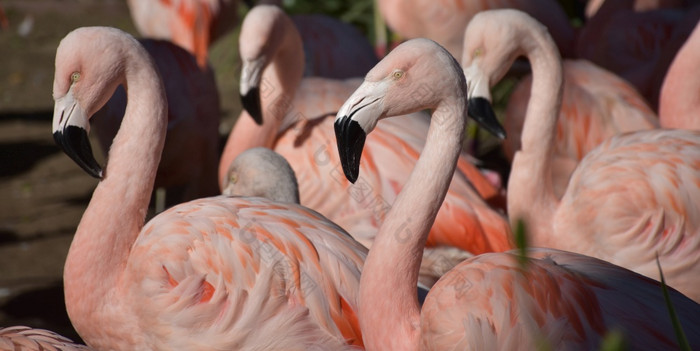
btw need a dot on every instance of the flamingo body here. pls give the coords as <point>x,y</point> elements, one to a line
<point>301,131</point>
<point>629,199</point>
<point>679,99</point>
<point>560,299</point>
<point>548,298</point>
<point>214,273</point>
<point>445,21</point>
<point>596,105</point>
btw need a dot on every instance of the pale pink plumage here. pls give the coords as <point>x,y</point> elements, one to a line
<point>555,299</point>
<point>191,24</point>
<point>596,105</point>
<point>629,199</point>
<point>21,338</point>
<point>301,129</point>
<point>214,273</point>
<point>679,102</point>
<point>188,166</point>
<point>445,20</point>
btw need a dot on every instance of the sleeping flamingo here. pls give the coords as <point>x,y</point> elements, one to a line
<point>21,338</point>
<point>188,165</point>
<point>191,24</point>
<point>215,273</point>
<point>264,173</point>
<point>596,104</point>
<point>628,200</point>
<point>679,102</point>
<point>298,125</point>
<point>558,300</point>
<point>444,21</point>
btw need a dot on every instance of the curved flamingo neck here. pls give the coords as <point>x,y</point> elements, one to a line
<point>531,195</point>
<point>278,86</point>
<point>115,215</point>
<point>389,310</point>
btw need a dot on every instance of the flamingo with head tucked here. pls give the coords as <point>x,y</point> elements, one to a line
<point>296,116</point>
<point>630,199</point>
<point>559,300</point>
<point>215,273</point>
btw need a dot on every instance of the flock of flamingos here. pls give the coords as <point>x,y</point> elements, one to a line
<point>263,250</point>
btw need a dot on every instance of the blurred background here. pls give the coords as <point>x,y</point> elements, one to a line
<point>43,193</point>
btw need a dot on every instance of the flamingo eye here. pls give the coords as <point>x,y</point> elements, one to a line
<point>478,52</point>
<point>233,178</point>
<point>397,75</point>
<point>74,77</point>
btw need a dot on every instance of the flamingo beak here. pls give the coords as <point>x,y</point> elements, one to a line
<point>70,132</point>
<point>355,119</point>
<point>479,103</point>
<point>251,74</point>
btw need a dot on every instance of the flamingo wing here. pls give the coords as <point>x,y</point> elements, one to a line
<point>242,262</point>
<point>558,299</point>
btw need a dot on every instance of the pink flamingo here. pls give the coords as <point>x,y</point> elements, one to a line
<point>491,302</point>
<point>298,125</point>
<point>596,104</point>
<point>637,46</point>
<point>679,101</point>
<point>629,199</point>
<point>444,21</point>
<point>191,24</point>
<point>188,166</point>
<point>21,338</point>
<point>214,273</point>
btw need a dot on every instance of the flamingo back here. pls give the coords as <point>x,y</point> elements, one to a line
<point>219,270</point>
<point>558,299</point>
<point>646,184</point>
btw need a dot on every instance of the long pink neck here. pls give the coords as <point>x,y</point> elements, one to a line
<point>113,219</point>
<point>680,94</point>
<point>530,192</point>
<point>389,311</point>
<point>278,85</point>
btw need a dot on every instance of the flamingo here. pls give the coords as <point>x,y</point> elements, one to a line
<point>298,125</point>
<point>629,199</point>
<point>264,173</point>
<point>21,338</point>
<point>679,100</point>
<point>559,299</point>
<point>188,166</point>
<point>191,24</point>
<point>214,273</point>
<point>596,104</point>
<point>445,21</point>
<point>637,46</point>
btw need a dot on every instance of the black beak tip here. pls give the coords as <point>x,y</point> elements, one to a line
<point>251,103</point>
<point>75,143</point>
<point>481,111</point>
<point>351,140</point>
